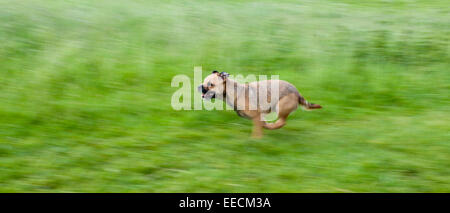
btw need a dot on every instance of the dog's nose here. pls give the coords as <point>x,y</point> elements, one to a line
<point>202,89</point>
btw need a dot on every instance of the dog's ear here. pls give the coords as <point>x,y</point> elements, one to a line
<point>215,71</point>
<point>224,75</point>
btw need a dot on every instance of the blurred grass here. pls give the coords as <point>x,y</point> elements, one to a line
<point>85,96</point>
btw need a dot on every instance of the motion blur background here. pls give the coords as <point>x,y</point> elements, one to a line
<point>85,96</point>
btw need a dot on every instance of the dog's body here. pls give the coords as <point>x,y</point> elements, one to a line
<point>241,98</point>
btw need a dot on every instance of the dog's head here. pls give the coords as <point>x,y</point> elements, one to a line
<point>214,85</point>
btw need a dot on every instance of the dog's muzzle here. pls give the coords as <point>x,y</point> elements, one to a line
<point>205,93</point>
<point>202,89</point>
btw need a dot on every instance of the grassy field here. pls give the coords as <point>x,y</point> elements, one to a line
<point>85,96</point>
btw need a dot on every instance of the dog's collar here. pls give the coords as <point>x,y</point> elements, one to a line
<point>225,90</point>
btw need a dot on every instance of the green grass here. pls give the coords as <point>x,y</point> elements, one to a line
<point>85,96</point>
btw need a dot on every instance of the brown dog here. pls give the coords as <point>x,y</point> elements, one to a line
<point>242,98</point>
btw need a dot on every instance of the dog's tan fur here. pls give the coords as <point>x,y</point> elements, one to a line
<point>289,98</point>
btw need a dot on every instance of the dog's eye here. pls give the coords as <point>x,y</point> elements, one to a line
<point>210,84</point>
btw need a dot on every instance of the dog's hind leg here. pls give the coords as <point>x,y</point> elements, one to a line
<point>278,124</point>
<point>286,105</point>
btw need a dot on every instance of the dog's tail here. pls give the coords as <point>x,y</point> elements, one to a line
<point>306,105</point>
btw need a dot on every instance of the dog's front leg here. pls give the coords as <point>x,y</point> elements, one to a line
<point>257,127</point>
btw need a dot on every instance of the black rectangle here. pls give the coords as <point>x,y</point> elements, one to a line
<point>223,202</point>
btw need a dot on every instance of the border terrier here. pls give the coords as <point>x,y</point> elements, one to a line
<point>283,98</point>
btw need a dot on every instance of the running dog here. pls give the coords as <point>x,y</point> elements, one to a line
<point>242,97</point>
